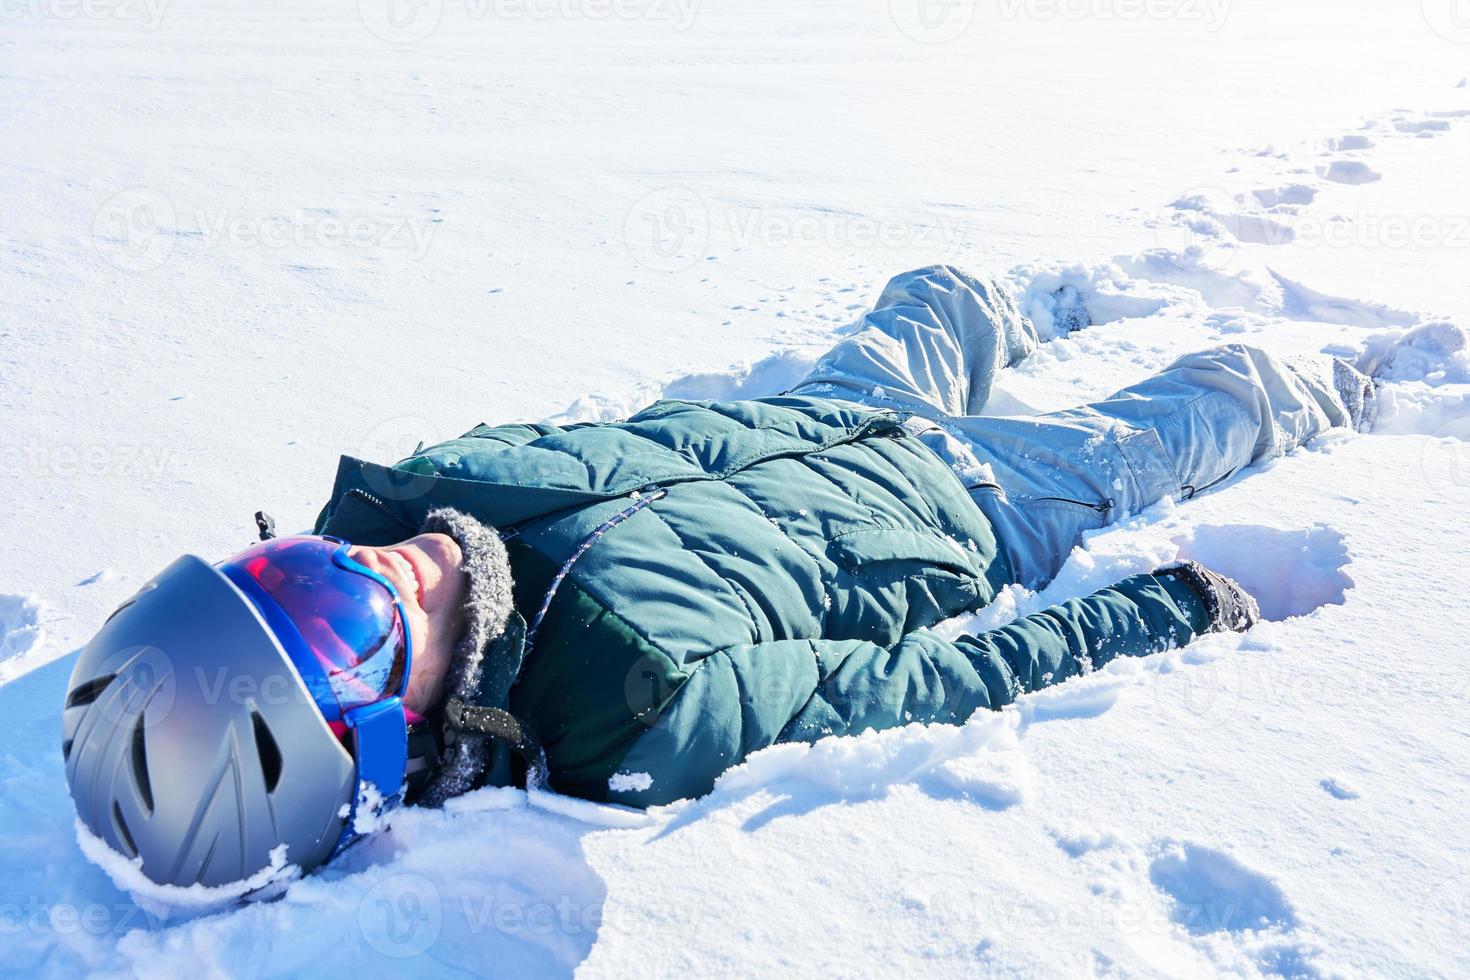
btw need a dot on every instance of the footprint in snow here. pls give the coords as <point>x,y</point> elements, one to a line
<point>1078,842</point>
<point>1212,892</point>
<point>1349,172</point>
<point>1290,196</point>
<point>1339,789</point>
<point>1421,127</point>
<point>20,626</point>
<point>1350,142</point>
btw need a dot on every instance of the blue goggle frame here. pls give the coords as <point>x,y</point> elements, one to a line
<point>380,729</point>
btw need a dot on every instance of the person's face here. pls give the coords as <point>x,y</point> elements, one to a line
<point>428,574</point>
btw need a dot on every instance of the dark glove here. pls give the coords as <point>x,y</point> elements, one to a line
<point>1231,608</point>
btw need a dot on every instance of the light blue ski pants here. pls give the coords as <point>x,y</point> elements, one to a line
<point>936,339</point>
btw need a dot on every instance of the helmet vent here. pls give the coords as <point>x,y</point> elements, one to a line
<point>269,752</point>
<point>122,829</point>
<point>66,751</point>
<point>119,609</point>
<point>89,692</point>
<point>140,766</point>
<point>128,602</point>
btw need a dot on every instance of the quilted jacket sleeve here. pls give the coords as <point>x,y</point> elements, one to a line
<point>745,699</point>
<point>931,679</point>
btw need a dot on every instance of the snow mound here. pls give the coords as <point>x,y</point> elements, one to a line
<point>1426,391</point>
<point>1300,303</point>
<point>1435,353</point>
<point>164,901</point>
<point>980,762</point>
<point>1104,290</point>
<point>768,376</point>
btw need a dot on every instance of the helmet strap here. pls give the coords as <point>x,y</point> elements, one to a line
<point>380,747</point>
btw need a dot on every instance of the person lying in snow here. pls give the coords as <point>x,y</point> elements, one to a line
<point>623,611</point>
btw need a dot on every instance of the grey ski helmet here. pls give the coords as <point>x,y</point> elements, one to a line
<point>191,741</point>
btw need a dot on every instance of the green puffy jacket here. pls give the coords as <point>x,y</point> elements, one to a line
<point>739,574</point>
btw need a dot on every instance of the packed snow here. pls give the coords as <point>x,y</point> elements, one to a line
<point>240,239</point>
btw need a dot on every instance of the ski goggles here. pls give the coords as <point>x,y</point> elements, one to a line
<point>346,632</point>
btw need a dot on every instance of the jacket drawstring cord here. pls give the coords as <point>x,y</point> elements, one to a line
<point>582,549</point>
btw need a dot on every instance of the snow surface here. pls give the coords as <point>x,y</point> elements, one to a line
<point>239,239</point>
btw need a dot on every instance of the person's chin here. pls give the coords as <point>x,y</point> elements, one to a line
<point>436,563</point>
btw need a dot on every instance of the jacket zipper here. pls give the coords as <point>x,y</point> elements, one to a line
<point>1102,506</point>
<point>378,505</point>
